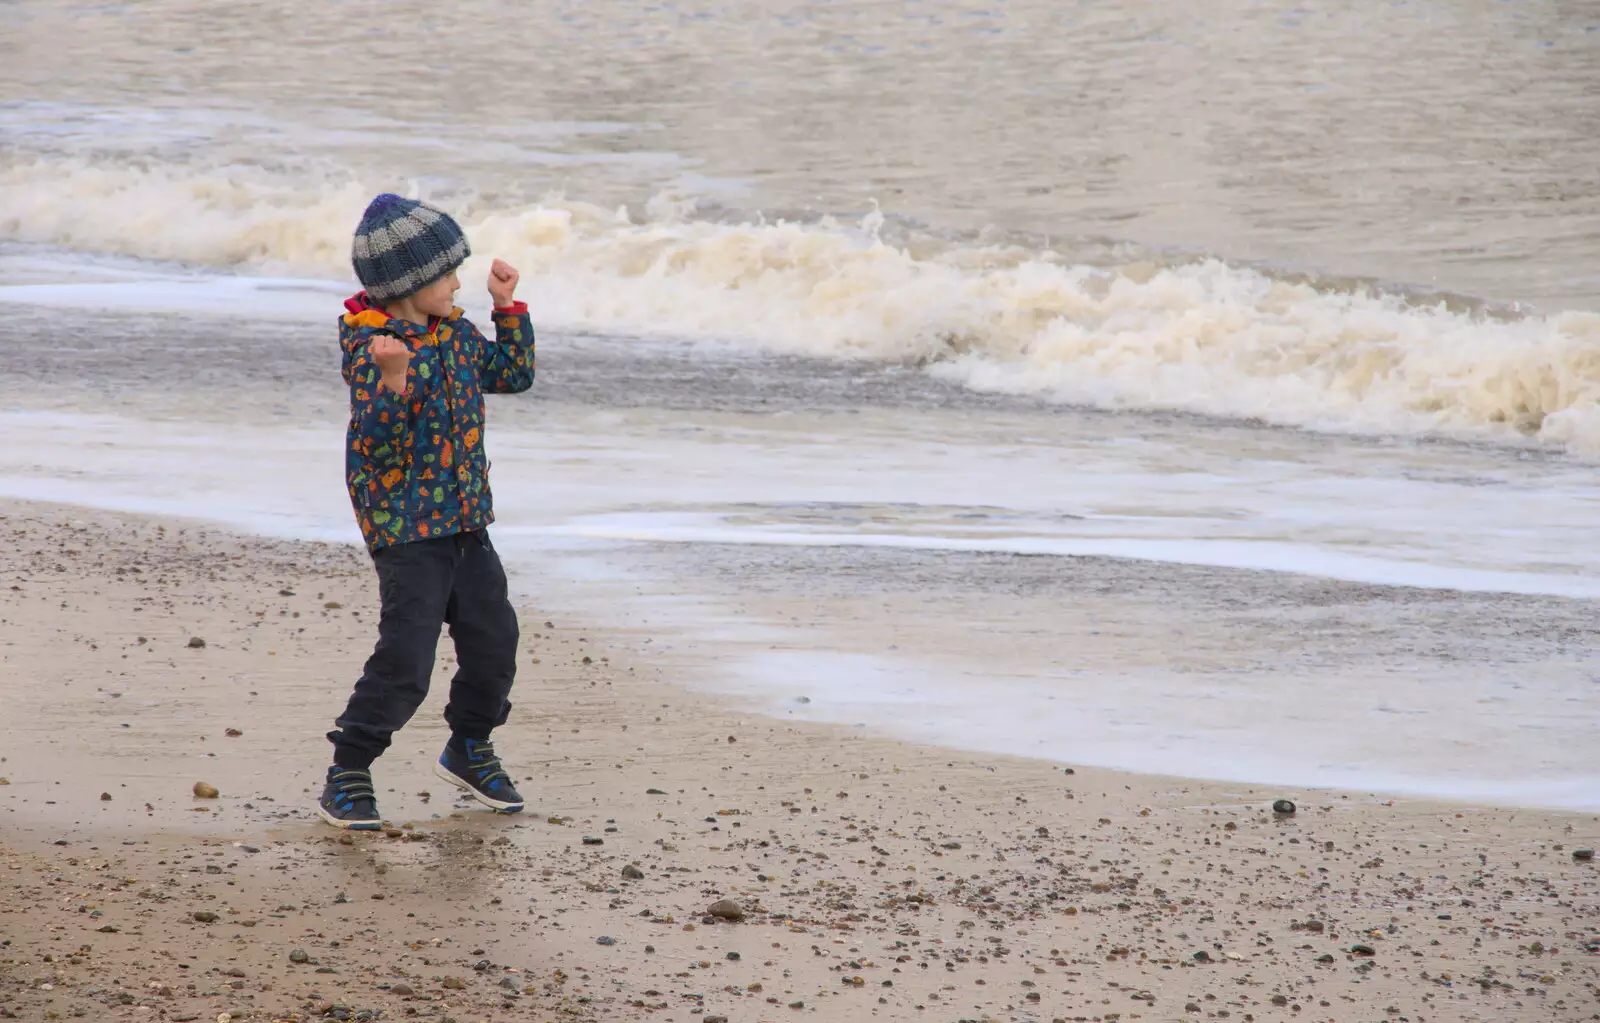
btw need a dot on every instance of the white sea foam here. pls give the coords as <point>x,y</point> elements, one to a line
<point>1203,337</point>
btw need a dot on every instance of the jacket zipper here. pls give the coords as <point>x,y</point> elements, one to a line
<point>445,365</point>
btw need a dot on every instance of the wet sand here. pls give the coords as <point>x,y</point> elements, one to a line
<point>878,880</point>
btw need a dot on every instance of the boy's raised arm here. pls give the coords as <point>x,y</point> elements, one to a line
<point>506,365</point>
<point>378,399</point>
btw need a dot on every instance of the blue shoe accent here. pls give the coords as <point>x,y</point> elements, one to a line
<point>478,771</point>
<point>349,801</point>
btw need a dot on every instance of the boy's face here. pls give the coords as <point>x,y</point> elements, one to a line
<point>438,298</point>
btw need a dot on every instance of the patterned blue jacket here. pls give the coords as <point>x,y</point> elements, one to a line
<point>414,462</point>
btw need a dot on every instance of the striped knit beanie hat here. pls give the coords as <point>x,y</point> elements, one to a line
<point>404,245</point>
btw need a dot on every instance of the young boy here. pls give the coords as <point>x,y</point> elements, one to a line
<point>419,481</point>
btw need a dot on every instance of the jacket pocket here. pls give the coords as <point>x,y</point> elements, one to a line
<point>385,490</point>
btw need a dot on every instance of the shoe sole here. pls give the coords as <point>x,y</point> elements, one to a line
<point>348,825</point>
<point>494,804</point>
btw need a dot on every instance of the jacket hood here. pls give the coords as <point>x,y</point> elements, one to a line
<point>363,318</point>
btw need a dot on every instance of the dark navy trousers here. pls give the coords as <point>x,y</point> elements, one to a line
<point>455,581</point>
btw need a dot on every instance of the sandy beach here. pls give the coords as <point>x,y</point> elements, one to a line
<point>874,879</point>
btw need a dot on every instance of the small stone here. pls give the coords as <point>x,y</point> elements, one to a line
<point>593,840</point>
<point>299,955</point>
<point>205,916</point>
<point>726,909</point>
<point>733,957</point>
<point>202,790</point>
<point>650,949</point>
<point>196,643</point>
<point>285,593</point>
<point>105,797</point>
<point>655,792</point>
<point>797,1005</point>
<point>632,873</point>
<point>232,733</point>
<point>1202,956</point>
<point>394,833</point>
<point>1325,958</point>
<point>1583,854</point>
<point>1284,808</point>
<point>403,990</point>
<point>1363,950</point>
<point>333,605</point>
<point>715,1019</point>
<point>108,929</point>
<point>606,940</point>
<point>1279,1000</point>
<point>454,984</point>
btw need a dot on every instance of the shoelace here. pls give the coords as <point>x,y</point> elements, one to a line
<point>485,764</point>
<point>357,789</point>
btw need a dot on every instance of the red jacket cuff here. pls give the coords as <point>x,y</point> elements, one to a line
<point>514,309</point>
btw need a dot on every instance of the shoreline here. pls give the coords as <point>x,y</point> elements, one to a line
<point>969,883</point>
<point>855,647</point>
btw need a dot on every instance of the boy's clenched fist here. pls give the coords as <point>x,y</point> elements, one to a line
<point>392,356</point>
<point>503,278</point>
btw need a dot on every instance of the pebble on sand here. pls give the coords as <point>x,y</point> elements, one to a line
<point>299,955</point>
<point>632,873</point>
<point>726,909</point>
<point>605,939</point>
<point>196,643</point>
<point>205,916</point>
<point>1583,854</point>
<point>1284,807</point>
<point>105,797</point>
<point>202,790</point>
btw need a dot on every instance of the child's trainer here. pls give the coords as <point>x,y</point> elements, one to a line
<point>419,480</point>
